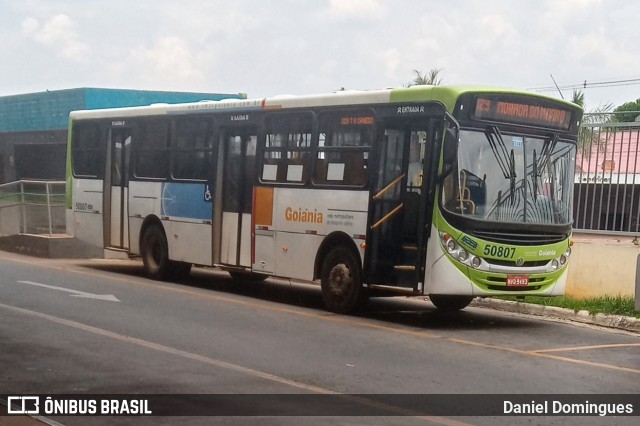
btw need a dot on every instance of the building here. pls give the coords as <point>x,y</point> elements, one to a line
<point>607,192</point>
<point>33,127</point>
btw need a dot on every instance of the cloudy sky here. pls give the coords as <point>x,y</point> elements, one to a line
<point>269,47</point>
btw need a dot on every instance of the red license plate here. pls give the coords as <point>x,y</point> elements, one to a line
<point>517,281</point>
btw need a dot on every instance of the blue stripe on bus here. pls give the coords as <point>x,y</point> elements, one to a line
<point>186,200</point>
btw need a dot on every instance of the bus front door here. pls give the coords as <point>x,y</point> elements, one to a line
<point>236,166</point>
<point>401,207</point>
<point>116,182</point>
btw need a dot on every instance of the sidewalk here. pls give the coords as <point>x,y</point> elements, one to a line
<point>612,321</point>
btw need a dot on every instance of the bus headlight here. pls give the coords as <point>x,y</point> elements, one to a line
<point>567,252</point>
<point>563,259</point>
<point>458,253</point>
<point>463,255</point>
<point>554,264</point>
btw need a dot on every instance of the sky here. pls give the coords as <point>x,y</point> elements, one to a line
<point>268,47</point>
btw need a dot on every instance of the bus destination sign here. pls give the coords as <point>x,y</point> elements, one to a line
<point>512,111</point>
<point>357,121</point>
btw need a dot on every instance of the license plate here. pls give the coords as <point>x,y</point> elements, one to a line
<point>517,281</point>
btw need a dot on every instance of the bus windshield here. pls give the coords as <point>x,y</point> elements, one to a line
<point>511,178</point>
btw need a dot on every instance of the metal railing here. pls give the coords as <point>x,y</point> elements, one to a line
<point>607,180</point>
<point>32,207</point>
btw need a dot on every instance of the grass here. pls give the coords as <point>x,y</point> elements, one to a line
<point>604,305</point>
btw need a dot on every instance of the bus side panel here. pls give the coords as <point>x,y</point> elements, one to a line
<point>302,218</point>
<point>184,213</point>
<point>189,242</point>
<point>88,211</point>
<point>144,200</point>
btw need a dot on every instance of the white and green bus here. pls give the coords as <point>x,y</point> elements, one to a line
<point>450,192</point>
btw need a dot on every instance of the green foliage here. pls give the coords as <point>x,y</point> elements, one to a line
<point>578,97</point>
<point>428,78</point>
<point>628,112</point>
<point>604,305</point>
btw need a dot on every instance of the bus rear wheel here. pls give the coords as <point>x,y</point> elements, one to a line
<point>155,253</point>
<point>449,303</point>
<point>342,289</point>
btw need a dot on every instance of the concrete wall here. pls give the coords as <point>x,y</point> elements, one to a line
<point>10,219</point>
<point>602,265</point>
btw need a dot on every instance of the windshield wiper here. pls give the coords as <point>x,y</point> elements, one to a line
<point>540,164</point>
<point>548,147</point>
<point>506,160</point>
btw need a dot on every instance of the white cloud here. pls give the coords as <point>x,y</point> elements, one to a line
<point>349,9</point>
<point>58,34</point>
<point>168,62</point>
<point>593,50</point>
<point>492,31</point>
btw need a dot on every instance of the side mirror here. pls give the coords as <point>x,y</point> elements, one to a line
<point>450,149</point>
<point>449,152</point>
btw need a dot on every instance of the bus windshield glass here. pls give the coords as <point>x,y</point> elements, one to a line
<point>511,178</point>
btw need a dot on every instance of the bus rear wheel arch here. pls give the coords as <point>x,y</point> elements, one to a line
<point>341,281</point>
<point>450,303</point>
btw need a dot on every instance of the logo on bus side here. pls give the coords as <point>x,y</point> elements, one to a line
<point>304,216</point>
<point>469,242</point>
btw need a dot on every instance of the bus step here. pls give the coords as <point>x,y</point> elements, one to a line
<point>410,247</point>
<point>404,268</point>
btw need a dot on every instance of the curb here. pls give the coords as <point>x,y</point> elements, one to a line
<point>611,321</point>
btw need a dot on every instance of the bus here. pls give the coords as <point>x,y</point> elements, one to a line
<point>450,192</point>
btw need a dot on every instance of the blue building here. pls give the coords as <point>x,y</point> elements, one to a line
<point>33,127</point>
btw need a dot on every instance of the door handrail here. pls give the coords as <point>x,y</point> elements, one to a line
<point>388,187</point>
<point>387,216</point>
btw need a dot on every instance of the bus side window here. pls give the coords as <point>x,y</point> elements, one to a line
<point>287,150</point>
<point>193,144</point>
<point>89,142</point>
<point>152,154</point>
<point>343,148</point>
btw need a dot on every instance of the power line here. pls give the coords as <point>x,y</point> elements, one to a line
<point>588,85</point>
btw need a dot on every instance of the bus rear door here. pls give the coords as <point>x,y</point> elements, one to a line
<point>116,182</point>
<point>234,189</point>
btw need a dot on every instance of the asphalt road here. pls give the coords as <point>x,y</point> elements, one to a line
<point>100,327</point>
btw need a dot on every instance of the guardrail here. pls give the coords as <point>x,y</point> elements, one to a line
<point>32,207</point>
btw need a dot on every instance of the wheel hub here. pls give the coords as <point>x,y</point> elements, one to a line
<point>340,279</point>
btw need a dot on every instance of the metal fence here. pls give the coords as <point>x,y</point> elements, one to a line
<point>32,207</point>
<point>607,180</point>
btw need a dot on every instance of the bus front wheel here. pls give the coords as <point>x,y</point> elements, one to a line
<point>449,303</point>
<point>342,289</point>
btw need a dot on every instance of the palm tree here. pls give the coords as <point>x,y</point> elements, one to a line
<point>594,122</point>
<point>578,97</point>
<point>428,78</point>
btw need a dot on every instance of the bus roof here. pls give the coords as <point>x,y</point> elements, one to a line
<point>447,95</point>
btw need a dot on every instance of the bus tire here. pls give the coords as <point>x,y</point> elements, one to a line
<point>450,303</point>
<point>342,289</point>
<point>155,253</point>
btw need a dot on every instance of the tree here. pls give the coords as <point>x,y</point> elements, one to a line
<point>578,97</point>
<point>627,112</point>
<point>590,133</point>
<point>428,78</point>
